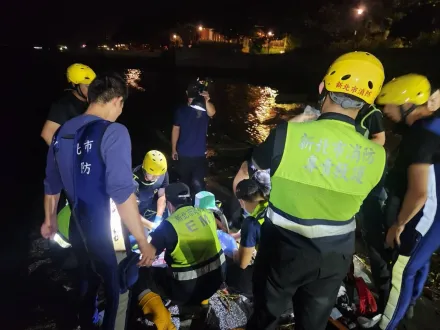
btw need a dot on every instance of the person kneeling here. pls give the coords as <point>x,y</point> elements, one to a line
<point>252,197</point>
<point>195,261</point>
<point>151,179</point>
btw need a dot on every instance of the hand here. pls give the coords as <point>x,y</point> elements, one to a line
<point>174,155</point>
<point>48,229</point>
<point>205,94</point>
<point>393,235</point>
<point>302,118</point>
<point>148,253</point>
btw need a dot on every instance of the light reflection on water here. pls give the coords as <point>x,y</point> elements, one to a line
<point>255,108</point>
<point>133,78</point>
<point>261,103</point>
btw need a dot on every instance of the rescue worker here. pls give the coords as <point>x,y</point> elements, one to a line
<point>74,101</point>
<point>369,123</point>
<point>196,263</point>
<point>414,189</point>
<point>188,137</point>
<point>151,179</point>
<point>321,172</point>
<point>90,158</point>
<point>253,198</point>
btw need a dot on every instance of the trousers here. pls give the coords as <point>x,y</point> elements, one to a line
<point>371,219</point>
<point>410,271</point>
<point>192,172</point>
<point>285,275</point>
<point>96,269</point>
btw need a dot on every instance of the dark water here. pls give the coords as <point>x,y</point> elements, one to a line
<point>29,86</point>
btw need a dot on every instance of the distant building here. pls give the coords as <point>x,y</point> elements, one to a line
<point>208,34</point>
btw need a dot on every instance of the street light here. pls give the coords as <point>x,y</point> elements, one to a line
<point>200,28</point>
<point>270,34</point>
<point>359,12</point>
<point>174,36</point>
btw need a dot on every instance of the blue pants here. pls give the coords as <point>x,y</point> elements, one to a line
<point>410,272</point>
<point>96,266</point>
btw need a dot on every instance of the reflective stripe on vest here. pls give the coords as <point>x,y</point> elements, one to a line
<point>62,237</point>
<point>198,272</point>
<point>61,241</point>
<point>326,171</point>
<point>198,250</point>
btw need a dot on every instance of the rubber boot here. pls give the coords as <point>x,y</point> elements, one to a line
<point>152,304</point>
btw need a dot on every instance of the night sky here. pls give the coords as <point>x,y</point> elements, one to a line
<point>44,21</point>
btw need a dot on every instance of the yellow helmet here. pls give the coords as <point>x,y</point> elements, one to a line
<point>80,74</point>
<point>359,74</point>
<point>410,88</point>
<point>155,163</point>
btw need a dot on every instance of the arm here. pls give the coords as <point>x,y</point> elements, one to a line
<point>419,150</point>
<point>416,193</point>
<point>161,200</point>
<point>49,130</point>
<point>243,256</point>
<point>210,108</point>
<point>175,133</point>
<point>248,241</point>
<point>241,175</point>
<point>161,203</point>
<point>52,189</point>
<point>379,138</point>
<point>268,154</point>
<point>116,152</point>
<point>164,237</point>
<point>377,129</point>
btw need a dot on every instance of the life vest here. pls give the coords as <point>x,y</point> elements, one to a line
<point>97,215</point>
<point>198,250</point>
<point>259,213</point>
<point>326,171</point>
<point>63,218</point>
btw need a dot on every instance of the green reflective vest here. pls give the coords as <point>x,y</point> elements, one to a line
<point>326,171</point>
<point>63,220</point>
<point>260,212</point>
<point>198,250</point>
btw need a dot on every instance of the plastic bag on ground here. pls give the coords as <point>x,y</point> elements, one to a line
<point>228,311</point>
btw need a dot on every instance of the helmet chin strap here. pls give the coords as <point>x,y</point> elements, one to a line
<point>321,100</point>
<point>404,114</point>
<point>80,93</point>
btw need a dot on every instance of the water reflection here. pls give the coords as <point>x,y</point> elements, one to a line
<point>133,78</point>
<point>261,103</point>
<point>255,109</point>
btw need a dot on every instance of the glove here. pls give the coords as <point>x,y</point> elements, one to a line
<point>156,222</point>
<point>157,219</point>
<point>152,304</point>
<point>228,243</point>
<point>367,303</point>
